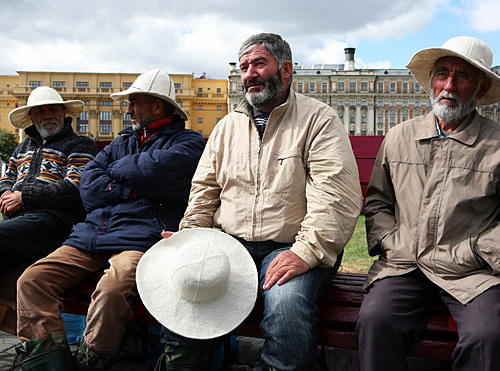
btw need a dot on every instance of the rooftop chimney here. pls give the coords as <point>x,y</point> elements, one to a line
<point>349,59</point>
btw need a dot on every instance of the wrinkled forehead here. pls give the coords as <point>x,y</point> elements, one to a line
<point>50,107</point>
<point>456,63</point>
<point>257,52</point>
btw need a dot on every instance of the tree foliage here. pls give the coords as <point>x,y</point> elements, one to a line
<point>8,143</point>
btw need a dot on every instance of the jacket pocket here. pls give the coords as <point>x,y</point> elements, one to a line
<point>459,260</point>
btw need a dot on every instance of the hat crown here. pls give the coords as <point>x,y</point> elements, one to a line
<point>157,82</point>
<point>471,48</point>
<point>43,94</point>
<point>201,277</point>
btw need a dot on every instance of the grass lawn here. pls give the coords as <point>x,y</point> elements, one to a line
<point>356,258</point>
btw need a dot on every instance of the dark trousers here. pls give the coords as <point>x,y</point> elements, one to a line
<point>394,314</point>
<point>30,237</point>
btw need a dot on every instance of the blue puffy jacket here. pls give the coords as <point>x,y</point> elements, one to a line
<point>131,192</point>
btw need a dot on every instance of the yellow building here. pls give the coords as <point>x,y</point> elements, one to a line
<point>7,100</point>
<point>209,105</point>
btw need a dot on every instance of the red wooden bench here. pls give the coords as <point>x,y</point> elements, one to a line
<point>339,305</point>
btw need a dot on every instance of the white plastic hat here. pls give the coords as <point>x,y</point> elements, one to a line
<point>199,283</point>
<point>42,96</point>
<point>156,83</point>
<point>471,50</point>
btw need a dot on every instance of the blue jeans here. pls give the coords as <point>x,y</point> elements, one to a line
<point>290,311</point>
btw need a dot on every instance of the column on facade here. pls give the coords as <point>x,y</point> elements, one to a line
<point>370,129</point>
<point>357,118</point>
<point>117,123</point>
<point>94,122</point>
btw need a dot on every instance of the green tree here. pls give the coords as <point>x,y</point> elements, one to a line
<point>8,143</point>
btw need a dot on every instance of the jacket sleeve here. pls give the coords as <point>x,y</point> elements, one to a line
<point>333,196</point>
<point>380,203</point>
<point>204,198</point>
<point>63,194</point>
<point>8,180</point>
<point>163,175</point>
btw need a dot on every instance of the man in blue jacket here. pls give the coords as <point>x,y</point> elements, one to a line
<point>135,188</point>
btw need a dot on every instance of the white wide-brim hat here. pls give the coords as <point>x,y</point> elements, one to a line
<point>200,283</point>
<point>157,83</point>
<point>471,50</point>
<point>42,96</point>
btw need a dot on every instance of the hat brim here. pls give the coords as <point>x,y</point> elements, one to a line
<point>124,95</point>
<point>422,63</point>
<point>20,117</point>
<point>200,320</point>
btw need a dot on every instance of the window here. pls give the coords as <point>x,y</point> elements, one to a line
<point>341,86</point>
<point>393,102</point>
<point>351,118</point>
<point>35,83</point>
<point>82,123</point>
<point>380,87</point>
<point>392,119</point>
<point>363,102</point>
<point>393,87</point>
<point>200,108</point>
<point>429,104</point>
<point>105,103</point>
<point>177,86</point>
<point>417,102</point>
<point>240,87</point>
<point>105,122</point>
<point>82,84</point>
<point>127,122</point>
<point>380,132</point>
<point>200,120</point>
<point>312,86</point>
<point>352,87</point>
<point>380,102</point>
<point>126,103</point>
<point>404,117</point>
<point>352,102</point>
<point>341,117</point>
<point>341,102</point>
<point>218,90</point>
<point>219,108</point>
<point>380,119</point>
<point>127,85</point>
<point>364,86</point>
<point>324,100</point>
<point>58,84</point>
<point>200,90</point>
<point>405,102</point>
<point>105,85</point>
<point>85,102</point>
<point>300,87</point>
<point>363,118</point>
<point>324,87</point>
<point>405,87</point>
<point>417,87</point>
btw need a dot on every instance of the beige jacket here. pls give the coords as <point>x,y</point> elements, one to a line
<point>435,204</point>
<point>299,185</point>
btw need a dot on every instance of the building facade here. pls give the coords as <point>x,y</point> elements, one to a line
<point>368,101</point>
<point>204,100</point>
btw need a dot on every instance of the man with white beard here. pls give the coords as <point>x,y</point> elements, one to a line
<point>433,215</point>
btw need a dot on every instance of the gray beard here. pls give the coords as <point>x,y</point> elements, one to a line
<point>270,96</point>
<point>47,133</point>
<point>453,114</point>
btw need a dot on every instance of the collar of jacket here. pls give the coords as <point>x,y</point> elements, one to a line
<point>466,133</point>
<point>245,107</point>
<point>32,131</point>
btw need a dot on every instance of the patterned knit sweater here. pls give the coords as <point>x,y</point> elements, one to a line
<point>48,174</point>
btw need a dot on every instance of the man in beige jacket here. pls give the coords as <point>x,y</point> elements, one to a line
<point>432,214</point>
<point>278,174</point>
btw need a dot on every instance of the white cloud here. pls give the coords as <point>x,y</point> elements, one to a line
<point>483,15</point>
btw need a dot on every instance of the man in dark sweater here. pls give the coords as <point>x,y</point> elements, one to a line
<point>40,192</point>
<point>135,188</point>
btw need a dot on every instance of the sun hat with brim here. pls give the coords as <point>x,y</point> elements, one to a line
<point>471,50</point>
<point>200,283</point>
<point>42,96</point>
<point>157,83</point>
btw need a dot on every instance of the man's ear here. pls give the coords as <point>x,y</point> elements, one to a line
<point>485,86</point>
<point>286,70</point>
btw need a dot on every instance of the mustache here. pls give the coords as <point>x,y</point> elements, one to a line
<point>254,81</point>
<point>50,121</point>
<point>447,95</point>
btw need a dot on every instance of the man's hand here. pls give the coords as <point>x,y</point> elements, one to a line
<point>10,202</point>
<point>283,267</point>
<point>166,234</point>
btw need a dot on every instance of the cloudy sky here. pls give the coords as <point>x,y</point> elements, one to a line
<point>196,36</point>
